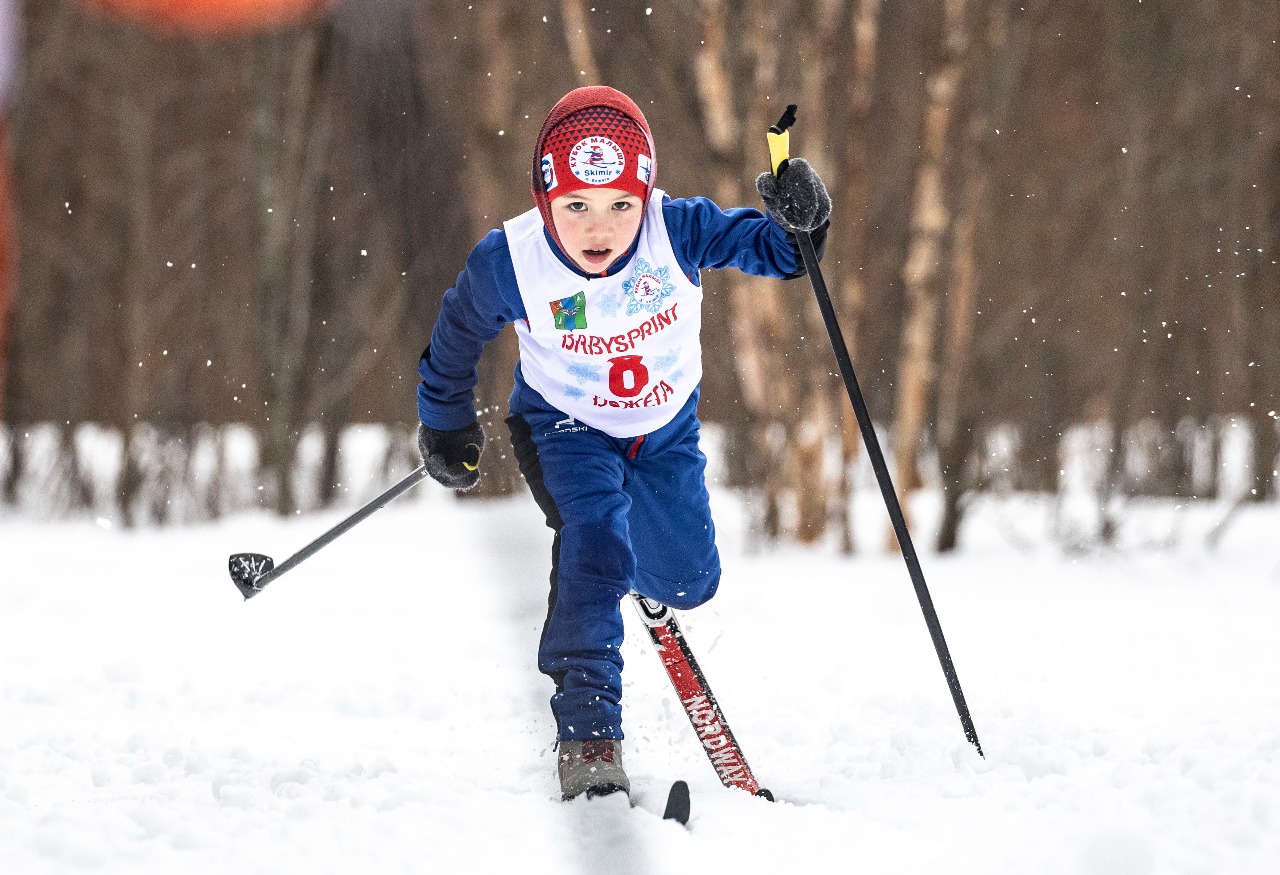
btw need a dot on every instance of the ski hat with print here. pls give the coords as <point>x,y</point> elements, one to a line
<point>594,136</point>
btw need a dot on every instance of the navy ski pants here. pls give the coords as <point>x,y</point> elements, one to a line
<point>628,513</point>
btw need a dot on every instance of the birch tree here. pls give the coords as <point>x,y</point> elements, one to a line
<point>930,223</point>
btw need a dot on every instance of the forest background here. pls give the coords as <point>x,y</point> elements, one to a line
<point>1055,234</point>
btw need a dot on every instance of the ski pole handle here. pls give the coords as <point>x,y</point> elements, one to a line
<point>780,141</point>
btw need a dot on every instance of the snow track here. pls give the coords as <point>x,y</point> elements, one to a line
<point>379,709</point>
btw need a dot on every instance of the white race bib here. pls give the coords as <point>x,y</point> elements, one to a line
<point>619,353</point>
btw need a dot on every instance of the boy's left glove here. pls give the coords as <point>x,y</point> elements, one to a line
<point>797,199</point>
<point>452,457</point>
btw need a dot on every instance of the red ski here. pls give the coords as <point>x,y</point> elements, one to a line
<point>696,697</point>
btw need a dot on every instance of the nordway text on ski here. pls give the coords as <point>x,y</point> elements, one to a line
<point>720,748</point>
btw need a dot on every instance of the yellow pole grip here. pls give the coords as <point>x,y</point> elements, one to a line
<point>780,140</point>
<point>779,149</point>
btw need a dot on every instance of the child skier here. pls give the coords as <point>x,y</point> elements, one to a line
<point>601,280</point>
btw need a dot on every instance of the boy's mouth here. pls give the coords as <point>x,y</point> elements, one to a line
<point>596,257</point>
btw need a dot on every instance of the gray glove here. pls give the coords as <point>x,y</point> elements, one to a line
<point>797,200</point>
<point>452,457</point>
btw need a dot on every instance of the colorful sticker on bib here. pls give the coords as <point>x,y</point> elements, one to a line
<point>570,313</point>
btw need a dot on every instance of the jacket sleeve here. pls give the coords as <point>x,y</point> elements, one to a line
<point>705,236</point>
<point>480,304</point>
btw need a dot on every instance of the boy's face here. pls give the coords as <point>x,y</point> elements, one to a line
<point>596,225</point>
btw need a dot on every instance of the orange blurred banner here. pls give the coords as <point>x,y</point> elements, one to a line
<point>212,16</point>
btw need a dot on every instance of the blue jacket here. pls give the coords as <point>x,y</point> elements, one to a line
<point>486,297</point>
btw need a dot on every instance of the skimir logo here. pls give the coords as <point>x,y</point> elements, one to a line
<point>647,288</point>
<point>570,313</point>
<point>597,160</point>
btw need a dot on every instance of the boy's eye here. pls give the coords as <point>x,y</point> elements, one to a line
<point>622,205</point>
<point>578,206</point>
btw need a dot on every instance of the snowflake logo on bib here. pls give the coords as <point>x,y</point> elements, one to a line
<point>609,303</point>
<point>646,290</point>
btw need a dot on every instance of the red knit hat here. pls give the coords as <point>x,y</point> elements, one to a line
<point>594,136</point>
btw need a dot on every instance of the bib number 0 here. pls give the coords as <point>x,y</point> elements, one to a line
<point>627,376</point>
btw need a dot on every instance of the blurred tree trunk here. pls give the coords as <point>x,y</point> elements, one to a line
<point>490,112</point>
<point>821,490</point>
<point>138,110</point>
<point>578,36</point>
<point>761,320</point>
<point>848,245</point>
<point>8,257</point>
<point>290,128</point>
<point>1261,326</point>
<point>930,222</point>
<point>386,127</point>
<point>716,103</point>
<point>13,465</point>
<point>997,64</point>
<point>1134,262</point>
<point>780,351</point>
<point>957,421</point>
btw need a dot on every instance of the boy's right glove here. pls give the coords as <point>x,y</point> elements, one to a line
<point>452,457</point>
<point>797,199</point>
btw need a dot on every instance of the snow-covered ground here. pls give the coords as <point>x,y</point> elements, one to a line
<point>378,709</point>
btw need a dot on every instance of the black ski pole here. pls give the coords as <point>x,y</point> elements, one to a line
<point>779,150</point>
<point>251,572</point>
